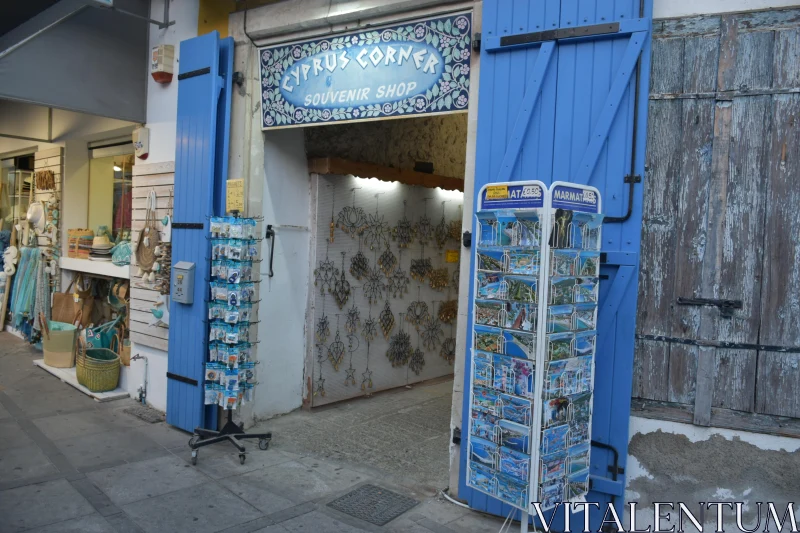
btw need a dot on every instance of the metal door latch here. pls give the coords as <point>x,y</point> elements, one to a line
<point>726,307</point>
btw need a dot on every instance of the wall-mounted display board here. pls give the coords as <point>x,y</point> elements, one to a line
<point>384,295</point>
<point>537,265</point>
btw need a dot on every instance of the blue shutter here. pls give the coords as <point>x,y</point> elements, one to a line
<point>204,94</point>
<point>563,108</point>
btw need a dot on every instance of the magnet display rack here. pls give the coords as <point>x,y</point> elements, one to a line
<point>537,260</point>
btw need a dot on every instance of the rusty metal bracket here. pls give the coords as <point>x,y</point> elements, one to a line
<point>726,307</point>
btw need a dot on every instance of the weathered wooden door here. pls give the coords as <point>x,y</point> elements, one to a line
<point>558,101</point>
<point>722,221</point>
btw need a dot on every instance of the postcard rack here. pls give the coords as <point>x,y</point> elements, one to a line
<point>537,259</point>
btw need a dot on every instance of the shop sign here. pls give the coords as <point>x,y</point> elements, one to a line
<point>574,199</point>
<point>410,69</point>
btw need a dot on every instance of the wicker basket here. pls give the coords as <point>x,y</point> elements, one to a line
<point>76,237</point>
<point>58,343</point>
<point>97,369</point>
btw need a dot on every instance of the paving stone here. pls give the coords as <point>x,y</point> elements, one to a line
<point>93,523</point>
<point>318,522</point>
<point>122,523</point>
<point>201,509</point>
<point>84,423</point>
<point>12,435</point>
<point>24,463</point>
<point>251,488</point>
<point>41,504</point>
<point>277,528</point>
<point>145,479</point>
<point>222,460</point>
<point>478,523</point>
<point>113,446</point>
<point>165,435</point>
<point>300,483</point>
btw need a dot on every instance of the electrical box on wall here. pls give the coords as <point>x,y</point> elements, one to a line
<point>162,59</point>
<point>183,282</point>
<point>141,142</point>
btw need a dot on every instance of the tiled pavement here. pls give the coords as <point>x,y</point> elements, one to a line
<point>68,463</point>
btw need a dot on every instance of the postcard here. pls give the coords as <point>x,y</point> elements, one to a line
<point>492,260</point>
<point>554,439</point>
<point>578,434</point>
<point>489,339</point>
<point>555,412</point>
<point>483,452</point>
<point>486,400</point>
<point>491,286</point>
<point>559,346</point>
<point>559,318</point>
<point>585,375</point>
<point>504,379</point>
<point>509,229</point>
<point>580,408</point>
<point>512,491</point>
<point>482,375</point>
<point>521,316</point>
<point>515,464</point>
<point>563,262</point>
<point>515,436</point>
<point>482,478</point>
<point>523,262</point>
<point>521,289</point>
<point>578,459</point>
<point>551,493</point>
<point>585,343</point>
<point>589,264</point>
<point>489,312</point>
<point>552,379</point>
<point>585,317</point>
<point>489,229</point>
<point>587,290</point>
<point>553,466</point>
<point>524,377</point>
<point>528,229</point>
<point>577,485</point>
<point>572,377</point>
<point>562,291</point>
<point>515,409</point>
<point>519,344</point>
<point>484,425</point>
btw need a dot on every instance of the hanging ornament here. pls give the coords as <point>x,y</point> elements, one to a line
<point>377,232</point>
<point>423,230</point>
<point>403,232</point>
<point>454,230</point>
<point>374,286</point>
<point>336,351</point>
<point>319,384</point>
<point>400,349</point>
<point>417,312</point>
<point>387,261</point>
<point>386,320</point>
<point>351,219</point>
<point>431,332</point>
<point>398,283</point>
<point>341,288</point>
<point>366,379</point>
<point>448,350</point>
<point>353,320</point>
<point>448,310</point>
<point>350,372</point>
<point>359,264</point>
<point>456,277</point>
<point>439,278</point>
<point>441,231</point>
<point>325,274</point>
<point>370,329</point>
<point>333,226</point>
<point>323,330</point>
<point>416,361</point>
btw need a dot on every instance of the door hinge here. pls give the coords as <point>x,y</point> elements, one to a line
<point>726,307</point>
<point>466,239</point>
<point>561,33</point>
<point>456,435</point>
<point>476,42</point>
<point>635,178</point>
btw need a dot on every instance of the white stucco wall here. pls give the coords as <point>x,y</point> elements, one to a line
<point>683,8</point>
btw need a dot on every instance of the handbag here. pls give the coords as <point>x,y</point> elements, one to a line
<point>83,301</point>
<point>101,336</point>
<point>149,237</point>
<point>121,254</point>
<point>63,308</point>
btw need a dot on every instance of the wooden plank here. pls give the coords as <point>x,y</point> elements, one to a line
<point>141,305</point>
<point>786,59</point>
<point>704,392</point>
<point>735,379</point>
<point>769,20</point>
<point>147,295</point>
<point>139,214</point>
<point>683,373</point>
<point>754,59</point>
<point>778,376</point>
<point>140,321</point>
<point>728,40</point>
<point>147,340</point>
<point>720,418</point>
<point>162,191</point>
<point>144,169</point>
<point>153,180</point>
<point>701,55</point>
<point>48,162</point>
<point>651,367</point>
<point>687,26</point>
<point>332,165</point>
<point>161,202</point>
<point>667,66</point>
<point>50,152</point>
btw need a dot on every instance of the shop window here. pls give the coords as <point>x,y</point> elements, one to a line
<point>110,194</point>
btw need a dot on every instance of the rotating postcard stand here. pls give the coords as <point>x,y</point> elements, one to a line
<point>537,261</point>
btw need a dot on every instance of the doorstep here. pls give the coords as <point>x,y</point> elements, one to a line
<point>67,375</point>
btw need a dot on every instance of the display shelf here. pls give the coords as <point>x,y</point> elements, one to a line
<point>100,268</point>
<point>68,376</point>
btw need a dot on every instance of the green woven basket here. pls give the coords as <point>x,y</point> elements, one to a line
<point>97,369</point>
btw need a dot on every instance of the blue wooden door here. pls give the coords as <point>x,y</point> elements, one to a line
<point>558,101</point>
<point>203,118</point>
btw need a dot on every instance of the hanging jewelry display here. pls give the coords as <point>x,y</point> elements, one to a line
<point>325,274</point>
<point>323,329</point>
<point>374,286</point>
<point>417,311</point>
<point>387,261</point>
<point>448,350</point>
<point>417,359</point>
<point>454,231</point>
<point>351,219</point>
<point>336,349</point>
<point>442,231</point>
<point>366,376</point>
<point>353,319</point>
<point>350,372</point>
<point>420,268</point>
<point>398,281</point>
<point>359,264</point>
<point>386,320</point>
<point>403,232</point>
<point>376,234</point>
<point>431,331</point>
<point>319,384</point>
<point>341,288</point>
<point>423,228</point>
<point>370,329</point>
<point>400,349</point>
<point>448,310</point>
<point>439,278</point>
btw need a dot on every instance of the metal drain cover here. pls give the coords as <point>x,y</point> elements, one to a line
<point>373,504</point>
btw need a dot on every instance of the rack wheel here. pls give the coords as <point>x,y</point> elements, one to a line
<point>263,444</point>
<point>242,457</point>
<point>194,457</point>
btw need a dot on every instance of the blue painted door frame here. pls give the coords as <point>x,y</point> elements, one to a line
<point>201,168</point>
<point>567,109</point>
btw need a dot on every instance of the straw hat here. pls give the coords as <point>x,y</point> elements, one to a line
<point>102,242</point>
<point>36,217</point>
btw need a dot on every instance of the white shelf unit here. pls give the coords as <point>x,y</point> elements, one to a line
<point>100,268</point>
